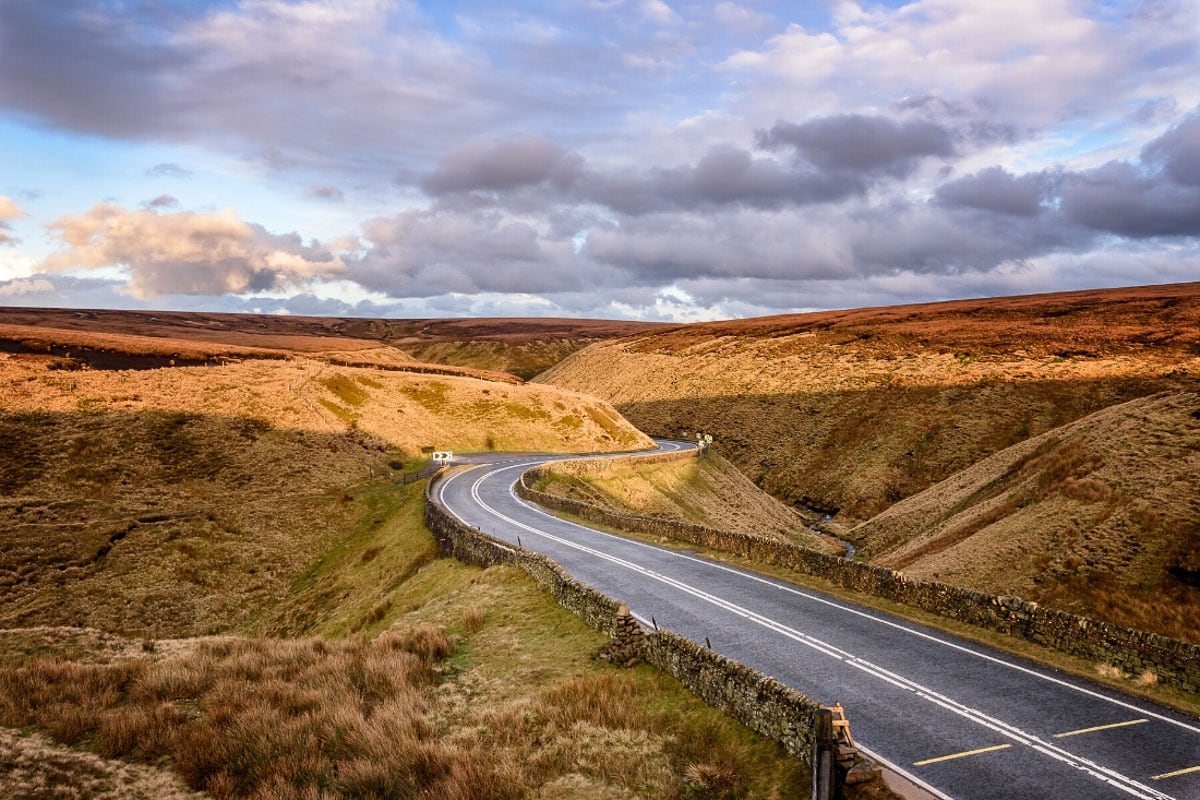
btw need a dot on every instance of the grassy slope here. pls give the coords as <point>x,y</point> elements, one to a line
<point>853,411</point>
<point>1100,517</point>
<point>707,491</point>
<point>171,499</point>
<point>282,534</point>
<point>521,347</point>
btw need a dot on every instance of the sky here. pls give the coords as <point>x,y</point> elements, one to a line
<point>644,159</point>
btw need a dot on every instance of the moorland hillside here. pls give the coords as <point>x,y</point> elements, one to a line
<point>1100,517</point>
<point>707,491</point>
<point>131,339</point>
<point>848,412</point>
<point>215,579</point>
<point>181,500</point>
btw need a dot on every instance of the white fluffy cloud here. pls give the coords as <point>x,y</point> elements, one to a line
<point>8,211</point>
<point>186,252</point>
<point>609,155</point>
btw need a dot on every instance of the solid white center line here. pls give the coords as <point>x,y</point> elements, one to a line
<point>1104,774</point>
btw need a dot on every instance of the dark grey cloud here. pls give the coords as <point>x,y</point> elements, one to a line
<point>1121,199</point>
<point>996,189</point>
<point>722,177</point>
<point>967,123</point>
<point>861,144</point>
<point>467,251</point>
<point>1178,151</point>
<point>84,70</point>
<point>528,172</point>
<point>503,165</point>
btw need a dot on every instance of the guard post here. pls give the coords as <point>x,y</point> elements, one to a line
<point>825,752</point>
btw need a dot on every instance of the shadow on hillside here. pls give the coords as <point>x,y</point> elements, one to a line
<point>156,521</point>
<point>860,450</point>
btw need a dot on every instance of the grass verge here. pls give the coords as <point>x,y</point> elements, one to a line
<point>1102,674</point>
<point>426,678</point>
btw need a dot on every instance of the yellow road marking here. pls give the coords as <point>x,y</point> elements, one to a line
<point>1100,728</point>
<point>1175,773</point>
<point>961,755</point>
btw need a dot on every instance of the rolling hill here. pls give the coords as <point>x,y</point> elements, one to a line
<point>216,579</point>
<point>849,412</point>
<point>138,339</point>
<point>1100,517</point>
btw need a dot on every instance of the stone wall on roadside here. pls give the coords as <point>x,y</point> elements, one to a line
<point>1173,662</point>
<point>757,701</point>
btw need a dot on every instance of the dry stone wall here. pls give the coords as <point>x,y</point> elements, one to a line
<point>757,701</point>
<point>1173,662</point>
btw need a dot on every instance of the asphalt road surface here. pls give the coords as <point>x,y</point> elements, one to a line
<point>959,719</point>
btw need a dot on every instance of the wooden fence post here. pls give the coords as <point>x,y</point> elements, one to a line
<point>824,776</point>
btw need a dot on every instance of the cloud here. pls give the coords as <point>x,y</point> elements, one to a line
<point>466,251</point>
<point>168,170</point>
<point>1159,196</point>
<point>658,12</point>
<point>1029,64</point>
<point>860,144</point>
<point>1119,198</point>
<point>995,189</point>
<point>724,176</point>
<point>503,165</point>
<point>186,252</point>
<point>9,210</point>
<point>1178,151</point>
<point>331,194</point>
<point>740,18</point>
<point>22,287</point>
<point>838,157</point>
<point>163,201</point>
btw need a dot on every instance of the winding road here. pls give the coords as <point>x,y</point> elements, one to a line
<point>958,719</point>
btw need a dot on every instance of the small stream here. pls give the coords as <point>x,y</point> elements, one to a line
<point>818,527</point>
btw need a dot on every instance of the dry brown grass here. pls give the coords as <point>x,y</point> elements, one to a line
<point>34,768</point>
<point>402,715</point>
<point>185,501</point>
<point>240,717</point>
<point>492,348</point>
<point>853,411</point>
<point>1099,517</point>
<point>706,491</point>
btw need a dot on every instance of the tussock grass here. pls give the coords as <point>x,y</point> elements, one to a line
<point>402,715</point>
<point>239,716</point>
<point>706,491</point>
<point>1091,518</point>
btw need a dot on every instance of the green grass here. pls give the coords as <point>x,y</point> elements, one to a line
<point>506,696</point>
<point>339,593</point>
<point>347,389</point>
<point>1073,665</point>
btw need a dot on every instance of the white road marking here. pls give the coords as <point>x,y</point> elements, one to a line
<point>865,615</point>
<point>1109,776</point>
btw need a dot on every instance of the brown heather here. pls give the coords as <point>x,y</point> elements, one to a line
<point>1005,426</point>
<point>356,718</point>
<point>240,499</point>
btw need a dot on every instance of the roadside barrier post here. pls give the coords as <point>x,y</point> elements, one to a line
<point>824,776</point>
